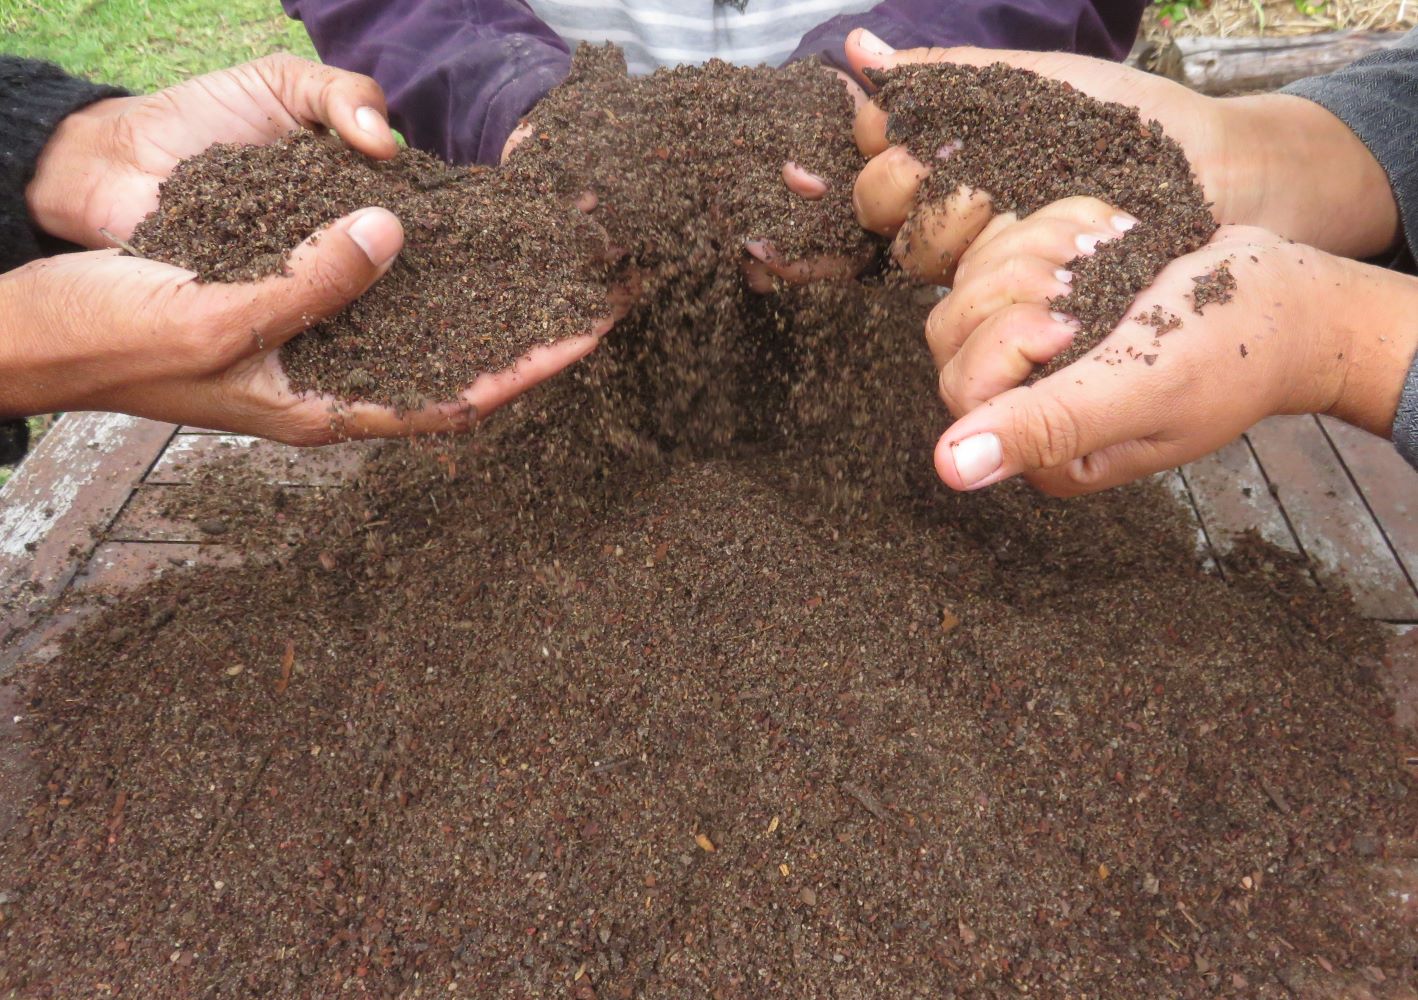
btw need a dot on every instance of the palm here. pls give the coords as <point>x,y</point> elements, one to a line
<point>252,104</point>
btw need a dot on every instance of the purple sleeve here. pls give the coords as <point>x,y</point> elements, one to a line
<point>458,74</point>
<point>1104,28</point>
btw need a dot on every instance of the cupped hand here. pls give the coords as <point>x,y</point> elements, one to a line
<point>937,237</point>
<point>1255,158</point>
<point>102,331</point>
<point>102,167</point>
<point>1167,385</point>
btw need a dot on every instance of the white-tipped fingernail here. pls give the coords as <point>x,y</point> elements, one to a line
<point>371,122</point>
<point>977,457</point>
<point>1063,319</point>
<point>371,232</point>
<point>1065,276</point>
<point>870,43</point>
<point>1124,223</point>
<point>1087,242</point>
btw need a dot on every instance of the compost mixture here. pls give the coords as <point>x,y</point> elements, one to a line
<point>684,677</point>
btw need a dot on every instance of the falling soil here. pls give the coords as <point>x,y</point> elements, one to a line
<point>685,677</point>
<point>1028,141</point>
<point>1216,286</point>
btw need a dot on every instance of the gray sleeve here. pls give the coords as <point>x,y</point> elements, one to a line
<point>1377,97</point>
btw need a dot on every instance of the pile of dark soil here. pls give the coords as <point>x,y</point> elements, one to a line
<point>433,323</point>
<point>685,677</point>
<point>1029,141</point>
<point>565,709</point>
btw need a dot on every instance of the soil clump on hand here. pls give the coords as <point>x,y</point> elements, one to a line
<point>487,271</point>
<point>1028,141</point>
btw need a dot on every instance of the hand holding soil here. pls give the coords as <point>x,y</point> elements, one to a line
<point>1183,373</point>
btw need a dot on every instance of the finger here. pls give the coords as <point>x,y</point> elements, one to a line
<point>492,391</point>
<point>324,274</point>
<point>1045,426</point>
<point>885,191</point>
<point>1058,233</point>
<point>800,272</point>
<point>854,89</point>
<point>1002,354</point>
<point>1121,463</point>
<point>803,182</point>
<point>932,240</point>
<point>757,276</point>
<point>869,130</point>
<point>349,103</point>
<point>1029,280</point>
<point>519,134</point>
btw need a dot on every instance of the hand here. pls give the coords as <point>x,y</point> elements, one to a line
<point>1257,159</point>
<point>102,167</point>
<point>108,332</point>
<point>1306,332</point>
<point>764,263</point>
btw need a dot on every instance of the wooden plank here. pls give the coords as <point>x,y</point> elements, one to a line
<point>1232,496</point>
<point>118,566</point>
<point>276,463</point>
<point>1244,63</point>
<point>1388,484</point>
<point>1176,485</point>
<point>59,502</point>
<point>1334,526</point>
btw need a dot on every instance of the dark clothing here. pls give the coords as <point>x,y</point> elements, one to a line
<point>459,75</point>
<point>1377,97</point>
<point>34,98</point>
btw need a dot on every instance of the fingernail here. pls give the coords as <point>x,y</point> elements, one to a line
<point>371,122</point>
<point>949,149</point>
<point>870,43</point>
<point>373,234</point>
<point>760,250</point>
<point>1088,243</point>
<point>1064,319</point>
<point>1065,276</point>
<point>1123,223</point>
<point>976,457</point>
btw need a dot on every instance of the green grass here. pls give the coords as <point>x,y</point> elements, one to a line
<point>147,44</point>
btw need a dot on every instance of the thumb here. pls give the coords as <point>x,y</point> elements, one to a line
<point>324,274</point>
<point>1033,429</point>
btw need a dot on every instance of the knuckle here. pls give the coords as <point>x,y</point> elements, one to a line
<point>948,386</point>
<point>1047,434</point>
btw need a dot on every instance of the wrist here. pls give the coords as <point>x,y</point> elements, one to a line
<point>59,196</point>
<point>1295,169</point>
<point>1372,313</point>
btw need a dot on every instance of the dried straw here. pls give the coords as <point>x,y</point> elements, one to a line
<point>1282,17</point>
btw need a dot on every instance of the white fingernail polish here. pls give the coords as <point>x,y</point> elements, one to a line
<point>370,121</point>
<point>977,457</point>
<point>1124,223</point>
<point>1065,276</point>
<point>1087,243</point>
<point>870,43</point>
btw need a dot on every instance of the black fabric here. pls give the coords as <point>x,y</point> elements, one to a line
<point>34,98</point>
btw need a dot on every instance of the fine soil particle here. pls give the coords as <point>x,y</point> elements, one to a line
<point>1029,141</point>
<point>433,323</point>
<point>603,702</point>
<point>1215,286</point>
